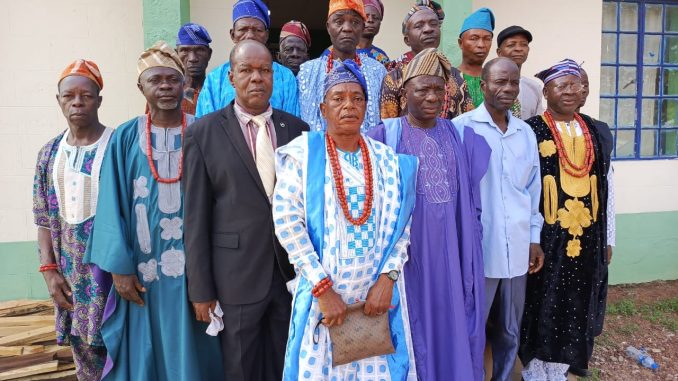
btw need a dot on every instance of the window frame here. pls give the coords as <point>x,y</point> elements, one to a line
<point>639,66</point>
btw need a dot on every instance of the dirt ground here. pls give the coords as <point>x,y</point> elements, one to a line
<point>642,315</point>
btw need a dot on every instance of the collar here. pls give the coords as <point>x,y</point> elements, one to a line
<point>241,113</point>
<point>481,115</point>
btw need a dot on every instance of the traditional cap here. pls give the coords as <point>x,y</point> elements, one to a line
<point>428,62</point>
<point>252,8</point>
<point>354,5</point>
<point>512,31</point>
<point>297,29</point>
<point>421,5</point>
<point>483,18</point>
<point>346,72</point>
<point>83,68</point>
<point>193,34</point>
<point>561,69</point>
<point>160,55</point>
<point>376,4</point>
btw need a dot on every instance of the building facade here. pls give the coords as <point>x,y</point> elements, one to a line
<point>629,48</point>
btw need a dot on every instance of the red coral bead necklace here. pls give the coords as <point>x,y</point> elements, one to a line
<point>149,152</point>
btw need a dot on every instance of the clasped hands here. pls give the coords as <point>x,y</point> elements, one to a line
<point>378,302</point>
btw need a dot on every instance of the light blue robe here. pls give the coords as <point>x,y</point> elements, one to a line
<point>311,79</point>
<point>217,91</point>
<point>139,231</point>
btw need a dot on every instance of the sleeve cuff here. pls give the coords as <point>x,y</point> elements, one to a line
<point>535,235</point>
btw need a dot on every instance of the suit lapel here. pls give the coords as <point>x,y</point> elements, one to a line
<point>232,128</point>
<point>282,130</point>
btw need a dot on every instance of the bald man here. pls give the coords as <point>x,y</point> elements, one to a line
<point>232,255</point>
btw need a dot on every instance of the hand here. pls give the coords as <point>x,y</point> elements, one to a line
<point>332,307</point>
<point>58,289</point>
<point>536,258</point>
<point>128,286</point>
<point>609,254</point>
<point>379,297</point>
<point>202,310</point>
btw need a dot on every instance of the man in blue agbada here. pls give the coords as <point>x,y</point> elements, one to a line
<point>251,21</point>
<point>148,328</point>
<point>346,236</point>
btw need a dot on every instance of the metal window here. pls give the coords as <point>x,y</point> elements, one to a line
<point>639,77</point>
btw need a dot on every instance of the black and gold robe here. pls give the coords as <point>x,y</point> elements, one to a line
<point>565,299</point>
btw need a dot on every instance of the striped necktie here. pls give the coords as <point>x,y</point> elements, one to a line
<point>264,156</point>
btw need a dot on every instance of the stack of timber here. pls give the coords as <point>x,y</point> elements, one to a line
<point>28,349</point>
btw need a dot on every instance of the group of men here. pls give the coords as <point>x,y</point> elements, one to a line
<point>226,245</point>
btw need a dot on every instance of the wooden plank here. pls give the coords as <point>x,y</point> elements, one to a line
<point>63,375</point>
<point>47,367</point>
<point>14,329</point>
<point>21,350</point>
<point>26,320</point>
<point>29,337</point>
<point>25,307</point>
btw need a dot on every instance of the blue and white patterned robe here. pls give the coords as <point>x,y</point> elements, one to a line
<point>320,242</point>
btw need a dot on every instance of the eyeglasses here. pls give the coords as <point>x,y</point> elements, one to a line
<point>573,86</point>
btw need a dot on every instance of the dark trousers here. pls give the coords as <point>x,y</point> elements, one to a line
<point>255,335</point>
<point>504,303</point>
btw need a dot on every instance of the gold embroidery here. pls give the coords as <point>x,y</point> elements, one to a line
<point>574,217</point>
<point>594,197</point>
<point>576,150</point>
<point>547,148</point>
<point>550,200</point>
<point>573,248</point>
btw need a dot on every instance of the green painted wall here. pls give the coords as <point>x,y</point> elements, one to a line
<point>19,276</point>
<point>647,249</point>
<point>162,19</point>
<point>455,13</point>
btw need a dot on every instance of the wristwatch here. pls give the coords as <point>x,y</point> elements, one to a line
<point>393,275</point>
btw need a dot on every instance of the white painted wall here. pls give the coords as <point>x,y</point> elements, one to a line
<point>39,39</point>
<point>646,186</point>
<point>561,29</point>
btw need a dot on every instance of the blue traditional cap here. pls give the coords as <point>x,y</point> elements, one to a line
<point>252,8</point>
<point>346,72</point>
<point>561,69</point>
<point>193,34</point>
<point>483,18</point>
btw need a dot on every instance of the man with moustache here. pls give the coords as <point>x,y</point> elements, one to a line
<point>233,258</point>
<point>563,300</point>
<point>345,25</point>
<point>193,46</point>
<point>510,193</point>
<point>421,30</point>
<point>295,40</point>
<point>148,328</point>
<point>475,40</point>
<point>514,43</point>
<point>251,21</point>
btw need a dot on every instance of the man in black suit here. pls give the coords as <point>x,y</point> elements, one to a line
<point>232,254</point>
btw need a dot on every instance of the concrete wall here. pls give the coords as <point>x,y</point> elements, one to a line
<point>40,38</point>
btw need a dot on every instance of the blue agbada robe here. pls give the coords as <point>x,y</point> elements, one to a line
<point>444,275</point>
<point>217,91</point>
<point>138,231</point>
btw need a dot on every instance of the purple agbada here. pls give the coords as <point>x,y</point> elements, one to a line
<point>444,276</point>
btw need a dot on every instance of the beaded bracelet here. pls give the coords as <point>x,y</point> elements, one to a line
<point>48,267</point>
<point>321,287</point>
